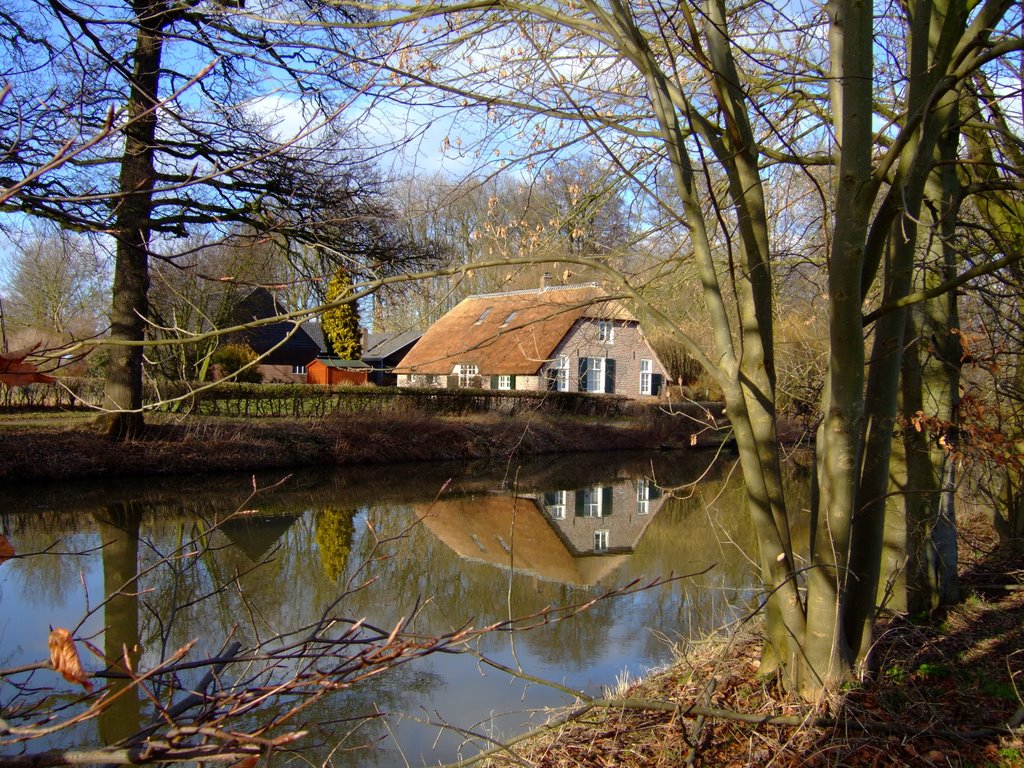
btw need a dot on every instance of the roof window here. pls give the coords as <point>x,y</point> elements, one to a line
<point>483,316</point>
<point>507,320</point>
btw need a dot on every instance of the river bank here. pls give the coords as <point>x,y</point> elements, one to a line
<point>942,690</point>
<point>51,448</point>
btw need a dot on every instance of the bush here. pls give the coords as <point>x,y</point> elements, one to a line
<point>233,359</point>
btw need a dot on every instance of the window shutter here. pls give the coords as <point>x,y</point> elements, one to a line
<point>606,501</point>
<point>552,377</point>
<point>583,374</point>
<point>550,498</point>
<point>579,503</point>
<point>609,375</point>
<point>511,382</point>
<point>494,382</point>
<point>653,492</point>
<point>656,383</point>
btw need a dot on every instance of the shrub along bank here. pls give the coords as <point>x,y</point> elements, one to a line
<point>318,401</point>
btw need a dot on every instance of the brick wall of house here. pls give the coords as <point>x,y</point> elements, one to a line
<point>625,511</point>
<point>522,383</point>
<point>627,347</point>
<point>281,374</point>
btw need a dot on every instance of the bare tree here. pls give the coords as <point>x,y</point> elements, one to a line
<point>696,105</point>
<point>57,286</point>
<point>148,121</point>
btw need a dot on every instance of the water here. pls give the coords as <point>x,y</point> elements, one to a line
<point>431,549</point>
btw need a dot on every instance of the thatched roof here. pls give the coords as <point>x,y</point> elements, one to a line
<point>511,333</point>
<point>483,527</point>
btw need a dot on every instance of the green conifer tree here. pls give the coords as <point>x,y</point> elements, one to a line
<point>341,324</point>
<point>334,532</point>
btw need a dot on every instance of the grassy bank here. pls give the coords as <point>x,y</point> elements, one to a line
<point>55,447</point>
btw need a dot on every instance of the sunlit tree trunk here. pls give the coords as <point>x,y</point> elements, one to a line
<point>990,146</point>
<point>133,213</point>
<point>897,223</point>
<point>827,658</point>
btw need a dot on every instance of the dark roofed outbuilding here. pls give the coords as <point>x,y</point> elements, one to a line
<point>383,351</point>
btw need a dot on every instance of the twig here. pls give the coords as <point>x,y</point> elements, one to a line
<point>698,726</point>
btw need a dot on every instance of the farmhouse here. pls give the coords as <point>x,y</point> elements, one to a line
<point>291,354</point>
<point>285,349</point>
<point>566,338</point>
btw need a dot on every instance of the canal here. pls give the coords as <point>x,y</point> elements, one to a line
<point>151,566</point>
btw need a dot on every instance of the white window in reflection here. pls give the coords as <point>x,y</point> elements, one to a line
<point>643,496</point>
<point>592,502</point>
<point>556,507</point>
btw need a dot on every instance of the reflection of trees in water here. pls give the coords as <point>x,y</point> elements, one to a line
<point>281,566</point>
<point>46,542</point>
<point>716,531</point>
<point>334,531</point>
<point>118,528</point>
<point>247,583</point>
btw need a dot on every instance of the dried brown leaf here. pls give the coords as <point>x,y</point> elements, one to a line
<point>64,658</point>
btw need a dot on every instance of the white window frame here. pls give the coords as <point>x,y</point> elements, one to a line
<point>643,496</point>
<point>606,331</point>
<point>299,370</point>
<point>562,373</point>
<point>557,509</point>
<point>595,375</point>
<point>646,376</point>
<point>593,501</point>
<point>601,540</point>
<point>466,372</point>
<point>504,381</point>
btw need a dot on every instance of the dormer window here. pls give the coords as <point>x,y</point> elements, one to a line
<point>483,316</point>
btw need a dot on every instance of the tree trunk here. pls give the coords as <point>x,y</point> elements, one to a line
<point>119,533</point>
<point>931,381</point>
<point>132,224</point>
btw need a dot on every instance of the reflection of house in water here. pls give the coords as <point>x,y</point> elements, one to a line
<point>603,518</point>
<point>571,536</point>
<point>256,534</point>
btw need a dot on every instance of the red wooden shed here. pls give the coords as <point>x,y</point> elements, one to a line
<point>331,370</point>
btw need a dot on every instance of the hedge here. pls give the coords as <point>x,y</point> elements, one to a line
<point>317,401</point>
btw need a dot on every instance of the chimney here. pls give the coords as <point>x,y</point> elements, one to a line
<point>545,281</point>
